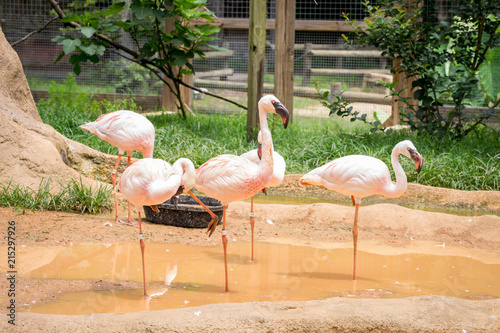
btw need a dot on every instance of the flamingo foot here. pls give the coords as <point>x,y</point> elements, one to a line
<point>212,225</point>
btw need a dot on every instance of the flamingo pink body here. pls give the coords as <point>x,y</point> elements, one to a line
<point>230,178</point>
<point>360,176</point>
<point>127,131</point>
<point>150,182</point>
<point>145,183</point>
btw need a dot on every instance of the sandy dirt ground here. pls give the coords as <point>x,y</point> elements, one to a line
<point>386,222</point>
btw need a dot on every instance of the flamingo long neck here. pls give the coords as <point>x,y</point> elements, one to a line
<point>266,164</point>
<point>396,190</point>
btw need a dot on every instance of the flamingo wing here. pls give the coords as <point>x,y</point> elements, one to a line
<point>229,178</point>
<point>124,129</point>
<point>356,175</point>
<point>139,182</point>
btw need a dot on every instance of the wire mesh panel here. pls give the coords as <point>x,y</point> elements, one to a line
<point>321,57</point>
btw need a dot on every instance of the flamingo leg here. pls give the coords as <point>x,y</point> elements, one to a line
<point>355,240</point>
<point>129,208</point>
<point>143,247</point>
<point>252,222</point>
<point>215,220</point>
<point>113,178</point>
<point>224,243</point>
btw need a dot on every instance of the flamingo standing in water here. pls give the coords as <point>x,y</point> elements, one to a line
<point>127,131</point>
<point>150,182</point>
<point>360,176</point>
<point>279,167</point>
<point>231,178</point>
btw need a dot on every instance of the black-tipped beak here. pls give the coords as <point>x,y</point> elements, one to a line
<point>179,190</point>
<point>419,161</point>
<point>283,113</point>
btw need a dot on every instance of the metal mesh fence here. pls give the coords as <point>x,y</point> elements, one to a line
<point>320,58</point>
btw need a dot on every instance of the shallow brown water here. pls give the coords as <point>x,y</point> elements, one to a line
<point>280,272</point>
<point>291,200</point>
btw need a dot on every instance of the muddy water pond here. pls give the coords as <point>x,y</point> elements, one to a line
<point>185,276</point>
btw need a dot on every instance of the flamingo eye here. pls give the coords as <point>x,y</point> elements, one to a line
<point>273,102</point>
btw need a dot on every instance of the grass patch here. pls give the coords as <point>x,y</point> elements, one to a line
<point>470,164</point>
<point>75,197</point>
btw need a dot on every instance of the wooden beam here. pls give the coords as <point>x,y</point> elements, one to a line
<point>301,25</point>
<point>284,55</point>
<point>256,57</point>
<point>348,53</point>
<point>344,71</point>
<point>215,54</point>
<point>217,72</point>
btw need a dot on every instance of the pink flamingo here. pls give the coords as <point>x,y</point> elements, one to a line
<point>360,176</point>
<point>150,182</point>
<point>127,131</point>
<point>231,178</point>
<point>279,167</point>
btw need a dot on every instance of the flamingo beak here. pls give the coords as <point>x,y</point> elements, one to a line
<point>417,158</point>
<point>282,112</point>
<point>259,151</point>
<point>180,190</point>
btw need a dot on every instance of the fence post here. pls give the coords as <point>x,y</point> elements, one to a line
<point>285,52</point>
<point>256,57</point>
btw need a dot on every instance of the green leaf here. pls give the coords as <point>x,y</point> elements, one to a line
<point>114,9</point>
<point>94,58</point>
<point>87,31</point>
<point>181,61</point>
<point>490,73</point>
<point>100,50</point>
<point>70,18</point>
<point>77,69</point>
<point>140,11</point>
<point>61,55</point>
<point>69,45</point>
<point>89,49</point>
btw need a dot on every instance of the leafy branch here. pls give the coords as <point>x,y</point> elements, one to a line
<point>445,58</point>
<point>166,54</point>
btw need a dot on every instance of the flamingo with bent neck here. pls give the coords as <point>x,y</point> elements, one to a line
<point>150,182</point>
<point>230,178</point>
<point>127,131</point>
<point>279,166</point>
<point>360,176</point>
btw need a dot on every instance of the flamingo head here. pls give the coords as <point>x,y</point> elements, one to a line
<point>410,151</point>
<point>272,104</point>
<point>188,174</point>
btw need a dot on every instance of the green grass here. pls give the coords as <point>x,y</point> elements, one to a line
<point>74,196</point>
<point>470,164</point>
